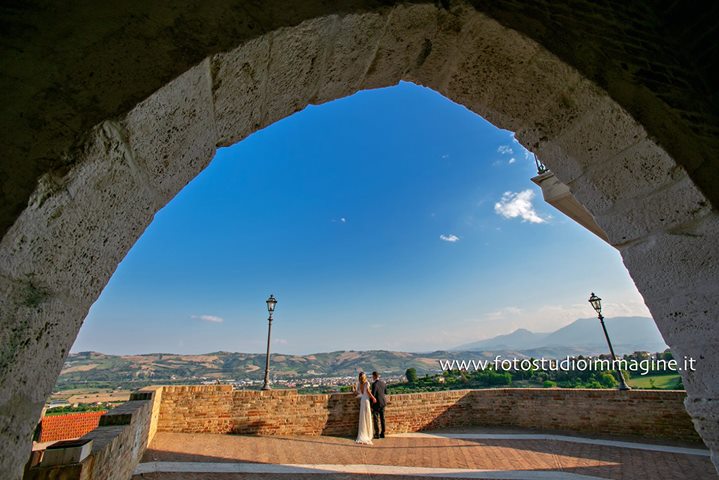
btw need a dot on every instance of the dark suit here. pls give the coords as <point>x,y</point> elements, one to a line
<point>379,389</point>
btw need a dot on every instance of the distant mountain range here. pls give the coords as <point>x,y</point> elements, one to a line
<point>583,336</point>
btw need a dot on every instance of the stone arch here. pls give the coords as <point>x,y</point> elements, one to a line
<point>60,253</point>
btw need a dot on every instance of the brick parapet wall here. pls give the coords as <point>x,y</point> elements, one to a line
<point>412,412</point>
<point>118,443</point>
<point>154,394</point>
<point>642,413</point>
<point>219,409</point>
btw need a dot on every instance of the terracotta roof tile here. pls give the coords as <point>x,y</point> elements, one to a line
<point>72,425</point>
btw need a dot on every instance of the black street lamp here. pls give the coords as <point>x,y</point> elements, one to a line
<point>596,303</point>
<point>271,302</point>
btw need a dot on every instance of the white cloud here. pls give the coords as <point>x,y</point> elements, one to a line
<point>343,220</point>
<point>518,205</point>
<point>505,150</point>
<point>280,341</point>
<point>209,318</point>
<point>512,160</point>
<point>445,156</point>
<point>451,238</point>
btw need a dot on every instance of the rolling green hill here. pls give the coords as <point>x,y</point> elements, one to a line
<point>100,371</point>
<point>665,382</point>
<point>92,368</point>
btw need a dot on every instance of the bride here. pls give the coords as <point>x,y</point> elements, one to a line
<point>364,432</point>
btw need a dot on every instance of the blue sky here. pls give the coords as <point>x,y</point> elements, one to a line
<point>391,219</point>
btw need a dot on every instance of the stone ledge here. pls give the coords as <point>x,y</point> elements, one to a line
<point>123,414</point>
<point>117,444</point>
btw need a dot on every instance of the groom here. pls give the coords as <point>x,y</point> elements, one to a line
<point>379,388</point>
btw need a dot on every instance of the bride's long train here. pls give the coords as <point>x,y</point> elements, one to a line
<point>365,429</point>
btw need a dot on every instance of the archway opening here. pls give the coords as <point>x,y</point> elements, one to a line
<point>393,220</point>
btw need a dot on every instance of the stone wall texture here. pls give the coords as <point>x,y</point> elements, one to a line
<point>657,58</point>
<point>638,413</point>
<point>119,442</point>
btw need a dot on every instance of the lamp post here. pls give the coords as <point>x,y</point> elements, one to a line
<point>596,303</point>
<point>271,302</point>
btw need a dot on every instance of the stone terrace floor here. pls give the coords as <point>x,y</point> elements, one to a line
<point>481,454</point>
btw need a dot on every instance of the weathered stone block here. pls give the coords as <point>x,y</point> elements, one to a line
<point>688,317</point>
<point>239,89</point>
<point>678,261</point>
<point>564,167</point>
<point>602,132</point>
<point>172,134</point>
<point>487,60</point>
<point>298,59</point>
<point>44,324</point>
<point>701,382</point>
<point>626,182</point>
<point>437,59</point>
<point>354,44</point>
<point>402,44</point>
<point>667,209</point>
<point>576,100</point>
<point>75,234</point>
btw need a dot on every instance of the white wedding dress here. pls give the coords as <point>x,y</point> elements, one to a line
<point>365,429</point>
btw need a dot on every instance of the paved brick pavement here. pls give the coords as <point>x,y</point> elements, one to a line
<point>531,456</point>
